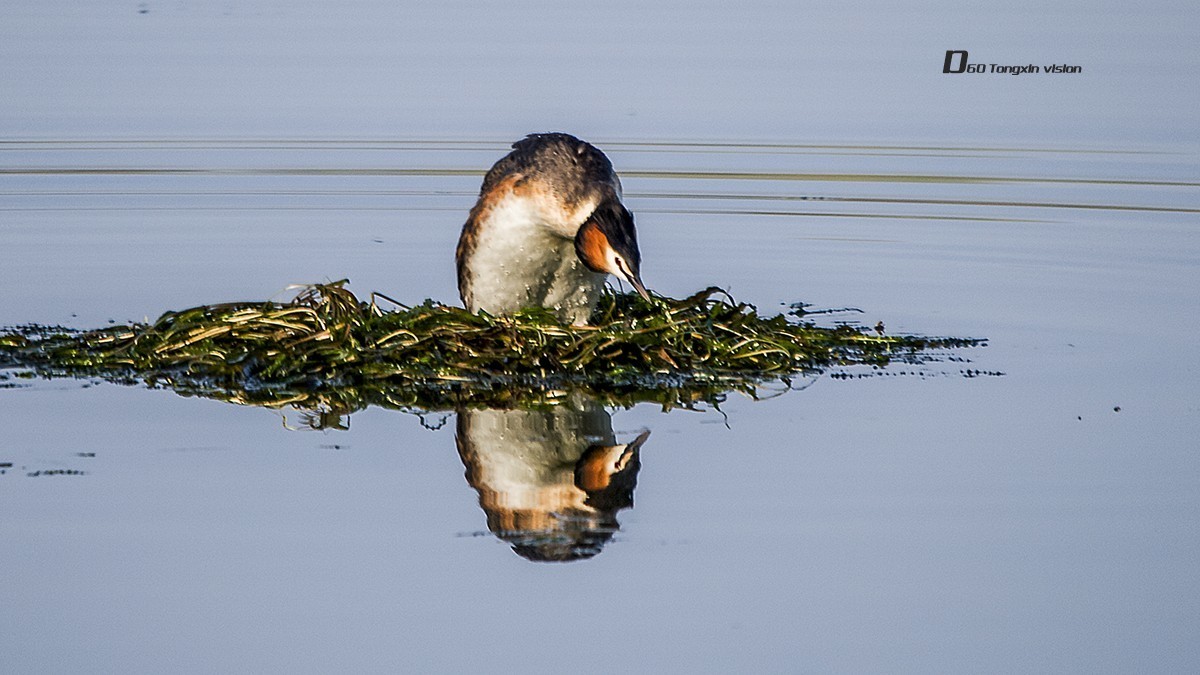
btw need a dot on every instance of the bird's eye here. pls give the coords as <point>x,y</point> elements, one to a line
<point>622,267</point>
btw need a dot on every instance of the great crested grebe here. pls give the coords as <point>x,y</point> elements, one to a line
<point>548,228</point>
<point>551,480</point>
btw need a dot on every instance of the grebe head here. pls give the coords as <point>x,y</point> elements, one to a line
<point>607,243</point>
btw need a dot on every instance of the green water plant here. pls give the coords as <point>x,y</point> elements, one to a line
<point>328,350</point>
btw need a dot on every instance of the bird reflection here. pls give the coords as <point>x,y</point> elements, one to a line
<point>551,481</point>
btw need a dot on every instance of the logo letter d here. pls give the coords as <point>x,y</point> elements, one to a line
<point>962,65</point>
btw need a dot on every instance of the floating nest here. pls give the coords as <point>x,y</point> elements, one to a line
<point>328,350</point>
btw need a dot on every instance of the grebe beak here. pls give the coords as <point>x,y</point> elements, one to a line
<point>633,278</point>
<point>607,242</point>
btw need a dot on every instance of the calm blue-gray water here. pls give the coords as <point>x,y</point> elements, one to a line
<point>1044,516</point>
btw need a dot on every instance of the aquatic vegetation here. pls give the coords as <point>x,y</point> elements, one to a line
<point>328,350</point>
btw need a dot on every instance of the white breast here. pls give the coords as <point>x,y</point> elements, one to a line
<point>523,257</point>
<point>526,459</point>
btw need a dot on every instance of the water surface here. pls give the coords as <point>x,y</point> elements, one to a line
<point>915,516</point>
